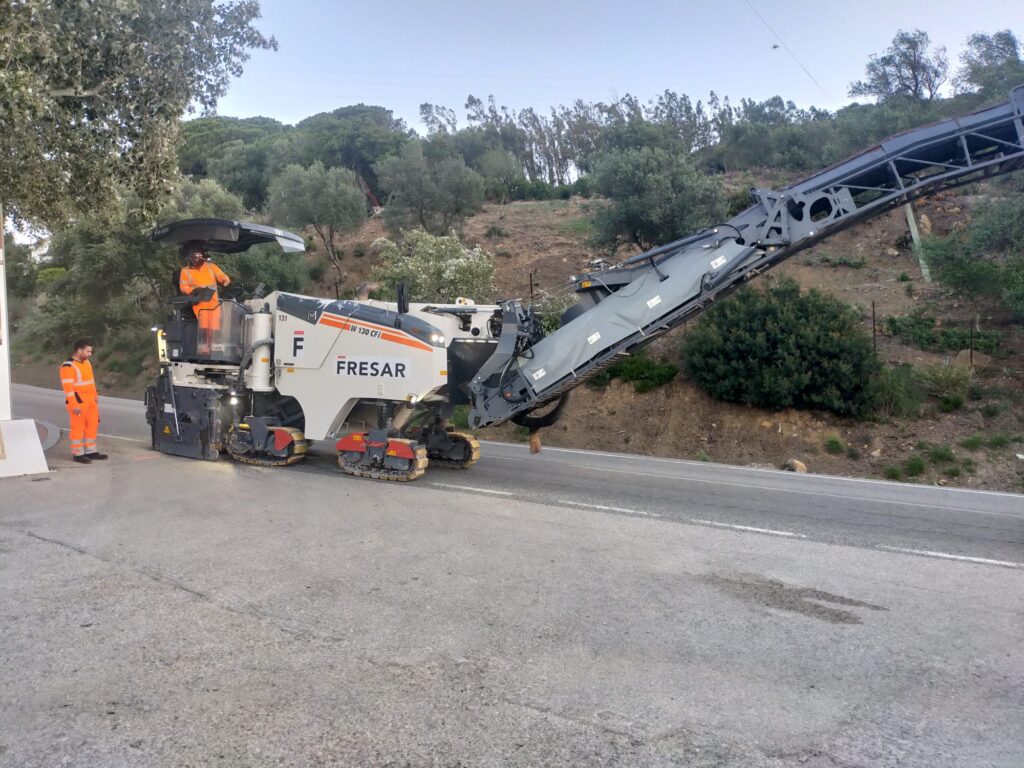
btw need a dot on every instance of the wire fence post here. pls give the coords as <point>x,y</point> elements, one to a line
<point>874,335</point>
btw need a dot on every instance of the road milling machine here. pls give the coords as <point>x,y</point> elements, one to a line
<point>381,379</point>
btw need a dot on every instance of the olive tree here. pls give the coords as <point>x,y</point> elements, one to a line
<point>327,199</point>
<point>654,196</point>
<point>907,68</point>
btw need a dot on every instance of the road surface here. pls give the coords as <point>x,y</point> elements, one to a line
<point>561,609</point>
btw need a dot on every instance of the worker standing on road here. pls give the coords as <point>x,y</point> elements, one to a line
<point>76,378</point>
<point>199,272</point>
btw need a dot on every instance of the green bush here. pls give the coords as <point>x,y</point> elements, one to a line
<point>919,330</point>
<point>645,374</point>
<point>317,271</point>
<point>997,441</point>
<point>950,403</point>
<point>494,231</point>
<point>951,471</point>
<point>949,382</point>
<point>896,392</point>
<point>844,261</point>
<point>914,466</point>
<point>434,268</point>
<point>521,189</point>
<point>991,410</point>
<point>972,443</point>
<point>780,348</point>
<point>852,453</point>
<point>892,472</point>
<point>834,445</point>
<point>47,276</point>
<point>939,454</point>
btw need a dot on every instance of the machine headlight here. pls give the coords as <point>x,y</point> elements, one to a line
<point>437,338</point>
<point>234,401</point>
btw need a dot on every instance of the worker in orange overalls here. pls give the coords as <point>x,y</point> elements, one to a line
<point>82,403</point>
<point>200,272</point>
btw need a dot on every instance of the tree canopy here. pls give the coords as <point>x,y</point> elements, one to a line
<point>434,193</point>
<point>907,68</point>
<point>991,65</point>
<point>654,197</point>
<point>327,199</point>
<point>91,95</point>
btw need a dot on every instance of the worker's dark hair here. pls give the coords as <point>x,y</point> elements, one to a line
<point>82,344</point>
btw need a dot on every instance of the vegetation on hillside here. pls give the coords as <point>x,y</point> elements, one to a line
<point>781,348</point>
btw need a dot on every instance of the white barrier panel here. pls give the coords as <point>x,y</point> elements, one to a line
<point>20,451</point>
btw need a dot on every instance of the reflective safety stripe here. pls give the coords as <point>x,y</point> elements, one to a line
<point>87,381</point>
<point>67,381</point>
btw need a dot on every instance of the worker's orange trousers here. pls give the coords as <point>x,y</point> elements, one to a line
<point>84,427</point>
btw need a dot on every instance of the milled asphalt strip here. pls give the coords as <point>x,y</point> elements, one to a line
<point>775,490</point>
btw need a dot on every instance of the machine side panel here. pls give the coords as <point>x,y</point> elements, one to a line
<point>358,366</point>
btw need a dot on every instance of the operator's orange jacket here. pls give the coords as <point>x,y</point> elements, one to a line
<point>207,275</point>
<point>78,383</point>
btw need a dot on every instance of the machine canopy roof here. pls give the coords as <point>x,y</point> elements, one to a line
<point>225,235</point>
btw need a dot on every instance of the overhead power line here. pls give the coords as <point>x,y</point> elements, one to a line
<point>783,44</point>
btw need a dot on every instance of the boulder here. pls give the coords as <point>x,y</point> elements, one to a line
<point>795,465</point>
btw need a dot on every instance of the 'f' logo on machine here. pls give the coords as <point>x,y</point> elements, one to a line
<point>297,342</point>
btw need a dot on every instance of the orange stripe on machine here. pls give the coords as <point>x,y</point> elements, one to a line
<point>373,331</point>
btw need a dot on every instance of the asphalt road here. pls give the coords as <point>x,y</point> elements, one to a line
<point>156,611</point>
<point>928,520</point>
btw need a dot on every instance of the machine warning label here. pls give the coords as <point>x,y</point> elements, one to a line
<point>373,367</point>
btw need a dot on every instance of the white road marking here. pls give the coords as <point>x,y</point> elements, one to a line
<point>782,490</point>
<point>624,510</point>
<point>470,488</point>
<point>118,437</point>
<point>948,556</point>
<point>732,526</point>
